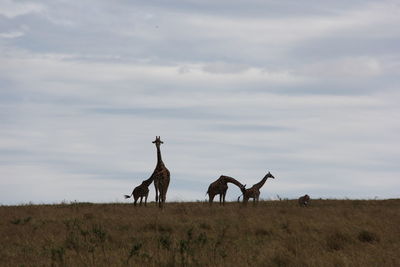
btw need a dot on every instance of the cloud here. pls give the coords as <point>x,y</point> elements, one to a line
<point>11,35</point>
<point>221,67</point>
<point>11,9</point>
<point>358,67</point>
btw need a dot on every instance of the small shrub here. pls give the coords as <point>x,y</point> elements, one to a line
<point>286,227</point>
<point>135,250</point>
<point>16,221</point>
<point>72,241</point>
<point>88,216</point>
<point>21,221</point>
<point>337,241</point>
<point>165,241</point>
<point>282,259</point>
<point>184,247</point>
<point>164,228</point>
<point>57,255</point>
<point>150,227</point>
<point>99,233</point>
<point>262,232</point>
<point>202,239</point>
<point>368,237</point>
<point>205,226</point>
<point>153,227</point>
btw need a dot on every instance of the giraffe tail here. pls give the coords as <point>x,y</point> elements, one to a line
<point>127,196</point>
<point>239,198</point>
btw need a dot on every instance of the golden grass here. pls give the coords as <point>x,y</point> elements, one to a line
<point>275,233</point>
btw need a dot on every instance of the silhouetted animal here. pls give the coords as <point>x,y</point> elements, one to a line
<point>160,175</point>
<point>141,191</point>
<point>304,201</point>
<point>254,191</point>
<point>220,186</point>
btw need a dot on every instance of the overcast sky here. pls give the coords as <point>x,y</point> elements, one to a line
<point>308,90</point>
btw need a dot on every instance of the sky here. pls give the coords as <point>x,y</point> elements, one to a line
<point>306,90</point>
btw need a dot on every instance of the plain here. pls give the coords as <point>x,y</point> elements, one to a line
<point>273,233</point>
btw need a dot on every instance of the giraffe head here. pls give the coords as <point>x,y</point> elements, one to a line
<point>269,175</point>
<point>158,141</point>
<point>243,189</point>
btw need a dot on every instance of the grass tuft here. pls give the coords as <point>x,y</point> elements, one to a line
<point>368,237</point>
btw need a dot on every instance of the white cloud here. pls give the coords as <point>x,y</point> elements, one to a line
<point>11,35</point>
<point>222,67</point>
<point>59,70</point>
<point>287,31</point>
<point>11,9</point>
<point>357,67</point>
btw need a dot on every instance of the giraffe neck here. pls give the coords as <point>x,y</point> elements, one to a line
<point>228,179</point>
<point>148,181</point>
<point>261,183</point>
<point>159,159</point>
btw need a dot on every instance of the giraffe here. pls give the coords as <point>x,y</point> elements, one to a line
<point>220,186</point>
<point>304,200</point>
<point>254,191</point>
<point>141,191</point>
<point>160,175</point>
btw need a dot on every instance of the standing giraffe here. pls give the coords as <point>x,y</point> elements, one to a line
<point>141,191</point>
<point>160,175</point>
<point>254,191</point>
<point>220,186</point>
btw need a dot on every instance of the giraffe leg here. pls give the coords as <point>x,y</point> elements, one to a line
<point>211,198</point>
<point>134,203</point>
<point>220,199</point>
<point>145,199</point>
<point>163,199</point>
<point>245,200</point>
<point>165,189</point>
<point>223,199</point>
<point>141,199</point>
<point>156,187</point>
<point>161,191</point>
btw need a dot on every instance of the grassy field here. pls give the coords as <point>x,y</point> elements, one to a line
<point>275,233</point>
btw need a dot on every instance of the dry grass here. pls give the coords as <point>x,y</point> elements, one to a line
<point>275,233</point>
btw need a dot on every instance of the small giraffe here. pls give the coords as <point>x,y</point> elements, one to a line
<point>304,200</point>
<point>254,191</point>
<point>160,175</point>
<point>220,186</point>
<point>141,191</point>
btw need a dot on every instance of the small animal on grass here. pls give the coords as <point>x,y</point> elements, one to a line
<point>304,201</point>
<point>141,191</point>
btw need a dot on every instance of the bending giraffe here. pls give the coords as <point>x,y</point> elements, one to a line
<point>160,175</point>
<point>254,191</point>
<point>141,191</point>
<point>220,186</point>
